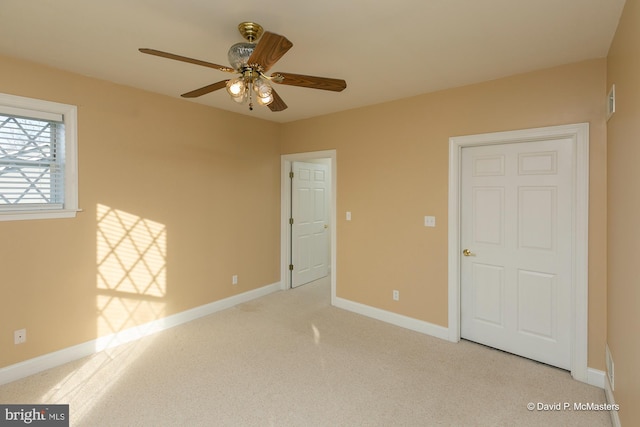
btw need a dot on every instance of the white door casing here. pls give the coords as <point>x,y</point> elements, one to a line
<point>286,161</point>
<point>578,137</point>
<point>515,224</point>
<point>310,216</point>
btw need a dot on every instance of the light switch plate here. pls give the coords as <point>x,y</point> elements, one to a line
<point>611,101</point>
<point>429,221</point>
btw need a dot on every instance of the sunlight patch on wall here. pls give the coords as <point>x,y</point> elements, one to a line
<point>132,270</point>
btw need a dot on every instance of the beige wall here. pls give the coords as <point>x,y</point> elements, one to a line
<point>209,196</point>
<point>623,322</point>
<point>392,169</point>
<point>183,170</point>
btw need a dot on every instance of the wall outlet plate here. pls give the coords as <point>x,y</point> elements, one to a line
<point>20,336</point>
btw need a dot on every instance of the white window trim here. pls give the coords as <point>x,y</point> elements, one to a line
<point>70,119</point>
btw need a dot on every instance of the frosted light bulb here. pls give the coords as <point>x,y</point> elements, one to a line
<point>236,87</point>
<point>261,88</point>
<point>265,100</point>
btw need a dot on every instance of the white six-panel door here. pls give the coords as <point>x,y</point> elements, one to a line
<point>516,222</point>
<point>309,232</point>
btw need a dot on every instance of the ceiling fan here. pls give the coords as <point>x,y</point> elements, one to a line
<point>251,60</point>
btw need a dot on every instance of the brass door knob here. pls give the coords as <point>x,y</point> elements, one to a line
<point>467,252</point>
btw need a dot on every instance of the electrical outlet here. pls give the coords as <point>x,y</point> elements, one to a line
<point>20,336</point>
<point>396,295</point>
<point>234,279</point>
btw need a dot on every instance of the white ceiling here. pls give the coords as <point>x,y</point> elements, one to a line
<point>385,50</point>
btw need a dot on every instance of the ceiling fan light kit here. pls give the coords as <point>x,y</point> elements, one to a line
<point>243,88</point>
<point>252,59</point>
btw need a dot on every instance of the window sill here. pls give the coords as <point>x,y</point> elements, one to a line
<point>38,214</point>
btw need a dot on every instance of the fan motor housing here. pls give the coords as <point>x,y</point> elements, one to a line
<point>239,54</point>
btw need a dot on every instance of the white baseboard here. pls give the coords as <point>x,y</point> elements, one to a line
<point>595,377</point>
<point>69,354</point>
<point>393,318</point>
<point>615,418</point>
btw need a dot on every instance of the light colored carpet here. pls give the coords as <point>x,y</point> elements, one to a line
<point>290,359</point>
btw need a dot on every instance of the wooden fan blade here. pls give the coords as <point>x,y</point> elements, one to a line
<point>205,90</point>
<point>277,104</point>
<point>324,83</point>
<point>185,59</point>
<point>269,50</point>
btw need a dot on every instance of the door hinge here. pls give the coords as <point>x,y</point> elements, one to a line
<point>291,221</point>
<point>291,267</point>
<point>291,175</point>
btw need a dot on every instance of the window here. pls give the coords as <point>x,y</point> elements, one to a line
<point>38,159</point>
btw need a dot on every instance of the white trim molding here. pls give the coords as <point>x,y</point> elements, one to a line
<point>285,206</point>
<point>393,318</point>
<point>38,364</point>
<point>608,391</point>
<point>595,377</point>
<point>579,133</point>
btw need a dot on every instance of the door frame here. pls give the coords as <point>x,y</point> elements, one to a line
<point>580,232</point>
<point>285,204</point>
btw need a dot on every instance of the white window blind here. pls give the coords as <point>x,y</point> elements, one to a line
<point>31,163</point>
<point>38,166</point>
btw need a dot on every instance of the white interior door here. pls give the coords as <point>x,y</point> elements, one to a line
<point>310,216</point>
<point>516,222</point>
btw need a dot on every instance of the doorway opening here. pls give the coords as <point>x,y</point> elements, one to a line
<point>327,158</point>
